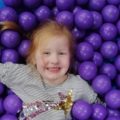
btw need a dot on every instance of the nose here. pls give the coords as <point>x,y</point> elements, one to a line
<point>54,59</point>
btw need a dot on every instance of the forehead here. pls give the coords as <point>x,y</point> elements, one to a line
<point>58,42</point>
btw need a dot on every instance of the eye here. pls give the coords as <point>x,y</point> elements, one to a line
<point>62,53</point>
<point>46,53</point>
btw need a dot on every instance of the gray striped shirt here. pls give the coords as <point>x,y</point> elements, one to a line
<point>26,82</point>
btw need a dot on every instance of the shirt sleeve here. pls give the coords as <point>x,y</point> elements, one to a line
<point>8,72</point>
<point>88,93</point>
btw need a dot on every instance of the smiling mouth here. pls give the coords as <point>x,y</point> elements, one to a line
<point>54,69</point>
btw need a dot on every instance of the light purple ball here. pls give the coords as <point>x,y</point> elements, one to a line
<point>8,116</point>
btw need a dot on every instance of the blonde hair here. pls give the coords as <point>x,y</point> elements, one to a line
<point>48,29</point>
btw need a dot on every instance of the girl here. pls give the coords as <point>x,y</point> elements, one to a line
<point>45,85</point>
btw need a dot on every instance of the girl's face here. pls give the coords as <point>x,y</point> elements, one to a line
<point>52,59</point>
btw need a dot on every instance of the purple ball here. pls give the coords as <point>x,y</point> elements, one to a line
<point>113,118</point>
<point>8,117</point>
<point>117,62</point>
<point>97,59</point>
<point>110,13</point>
<point>12,104</point>
<point>109,49</point>
<point>31,3</point>
<point>87,70</point>
<point>2,88</point>
<point>43,13</point>
<point>108,31</point>
<point>2,110</point>
<point>66,18</point>
<point>118,26</point>
<point>98,21</point>
<point>78,34</point>
<point>118,80</point>
<point>12,3</point>
<point>97,4</point>
<point>10,38</point>
<point>112,99</point>
<point>49,3</point>
<point>81,2</point>
<point>101,84</point>
<point>109,69</point>
<point>77,9</point>
<point>27,21</point>
<point>65,4</point>
<point>113,112</point>
<point>81,110</point>
<point>8,14</point>
<point>84,51</point>
<point>95,40</point>
<point>23,48</point>
<point>9,55</point>
<point>99,112</point>
<point>114,2</point>
<point>84,19</point>
<point>55,11</point>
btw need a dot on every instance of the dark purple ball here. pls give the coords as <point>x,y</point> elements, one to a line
<point>113,118</point>
<point>23,48</point>
<point>76,9</point>
<point>12,104</point>
<point>118,80</point>
<point>114,2</point>
<point>9,55</point>
<point>101,84</point>
<point>117,62</point>
<point>109,69</point>
<point>112,99</point>
<point>108,31</point>
<point>31,3</point>
<point>2,88</point>
<point>43,13</point>
<point>84,19</point>
<point>8,14</point>
<point>118,26</point>
<point>10,38</point>
<point>8,116</point>
<point>2,110</point>
<point>55,11</point>
<point>87,70</point>
<point>98,20</point>
<point>49,3</point>
<point>99,112</point>
<point>110,13</point>
<point>12,3</point>
<point>113,112</point>
<point>66,18</point>
<point>109,49</point>
<point>97,59</point>
<point>65,4</point>
<point>81,2</point>
<point>95,40</point>
<point>84,51</point>
<point>27,21</point>
<point>97,4</point>
<point>81,110</point>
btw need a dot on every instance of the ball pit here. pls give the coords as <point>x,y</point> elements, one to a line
<point>95,25</point>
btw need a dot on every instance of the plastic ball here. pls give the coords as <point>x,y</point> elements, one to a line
<point>2,88</point>
<point>2,110</point>
<point>76,9</point>
<point>108,31</point>
<point>95,40</point>
<point>65,4</point>
<point>113,112</point>
<point>112,99</point>
<point>12,3</point>
<point>24,47</point>
<point>81,110</point>
<point>113,118</point>
<point>87,70</point>
<point>84,51</point>
<point>49,3</point>
<point>97,4</point>
<point>99,112</point>
<point>84,19</point>
<point>12,104</point>
<point>110,13</point>
<point>101,84</point>
<point>109,69</point>
<point>113,2</point>
<point>81,2</point>
<point>117,62</point>
<point>118,26</point>
<point>98,20</point>
<point>27,21</point>
<point>31,3</point>
<point>66,18</point>
<point>97,59</point>
<point>9,55</point>
<point>10,39</point>
<point>109,49</point>
<point>42,13</point>
<point>8,14</point>
<point>8,117</point>
<point>117,81</point>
